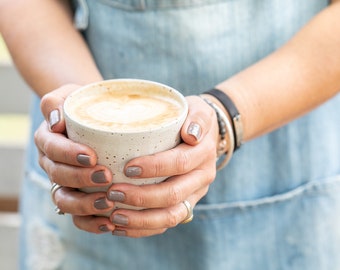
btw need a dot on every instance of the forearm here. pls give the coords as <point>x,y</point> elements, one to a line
<point>301,75</point>
<point>46,48</point>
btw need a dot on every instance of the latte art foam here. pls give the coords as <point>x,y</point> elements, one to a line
<point>117,112</point>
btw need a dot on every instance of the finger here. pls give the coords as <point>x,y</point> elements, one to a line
<point>60,149</point>
<point>165,194</point>
<point>75,202</point>
<point>179,160</point>
<point>152,221</point>
<point>121,231</point>
<point>52,107</point>
<point>198,122</point>
<point>93,224</point>
<point>76,177</point>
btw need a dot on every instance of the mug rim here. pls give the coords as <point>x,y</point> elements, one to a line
<point>180,97</point>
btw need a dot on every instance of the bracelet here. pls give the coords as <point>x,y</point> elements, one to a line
<point>233,113</point>
<point>225,128</point>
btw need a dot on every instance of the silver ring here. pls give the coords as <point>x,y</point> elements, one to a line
<point>190,215</point>
<point>58,211</point>
<point>54,189</point>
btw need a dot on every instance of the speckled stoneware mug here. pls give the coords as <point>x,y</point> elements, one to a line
<point>125,118</point>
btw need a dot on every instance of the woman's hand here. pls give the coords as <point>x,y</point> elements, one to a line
<point>72,166</point>
<point>190,167</point>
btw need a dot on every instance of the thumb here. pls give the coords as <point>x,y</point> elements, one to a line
<point>52,107</point>
<point>198,122</point>
<point>191,132</point>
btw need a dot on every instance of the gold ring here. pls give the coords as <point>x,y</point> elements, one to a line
<point>54,189</point>
<point>190,215</point>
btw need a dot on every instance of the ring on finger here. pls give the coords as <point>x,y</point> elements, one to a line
<point>54,189</point>
<point>58,211</point>
<point>190,214</point>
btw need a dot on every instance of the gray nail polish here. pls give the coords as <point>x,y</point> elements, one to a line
<point>194,129</point>
<point>101,203</point>
<point>116,196</point>
<point>133,171</point>
<point>119,233</point>
<point>54,118</point>
<point>120,220</point>
<point>83,160</point>
<point>103,228</point>
<point>98,177</point>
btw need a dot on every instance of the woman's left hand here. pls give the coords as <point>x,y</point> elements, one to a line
<point>191,168</point>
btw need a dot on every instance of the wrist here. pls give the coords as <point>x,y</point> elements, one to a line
<point>225,142</point>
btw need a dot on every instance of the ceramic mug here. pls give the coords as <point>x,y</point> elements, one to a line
<point>125,118</point>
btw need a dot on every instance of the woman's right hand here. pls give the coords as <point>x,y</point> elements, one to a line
<point>72,166</point>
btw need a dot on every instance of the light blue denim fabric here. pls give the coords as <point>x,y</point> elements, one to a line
<point>275,206</point>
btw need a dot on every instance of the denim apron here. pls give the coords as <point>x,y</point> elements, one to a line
<point>275,206</point>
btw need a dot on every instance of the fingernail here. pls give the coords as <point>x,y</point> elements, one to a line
<point>103,228</point>
<point>119,233</point>
<point>101,203</point>
<point>84,160</point>
<point>133,171</point>
<point>54,118</point>
<point>98,177</point>
<point>120,220</point>
<point>194,129</point>
<point>116,196</point>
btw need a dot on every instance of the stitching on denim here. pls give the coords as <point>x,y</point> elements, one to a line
<point>314,185</point>
<point>157,4</point>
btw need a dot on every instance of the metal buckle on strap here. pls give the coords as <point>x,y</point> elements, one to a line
<point>81,15</point>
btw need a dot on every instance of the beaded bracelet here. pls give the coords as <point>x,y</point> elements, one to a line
<point>233,113</point>
<point>225,128</point>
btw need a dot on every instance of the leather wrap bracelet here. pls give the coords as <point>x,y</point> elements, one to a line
<point>234,114</point>
<point>226,145</point>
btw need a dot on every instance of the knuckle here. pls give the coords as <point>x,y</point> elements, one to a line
<point>174,195</point>
<point>83,209</point>
<point>172,219</point>
<point>53,174</point>
<point>182,162</point>
<point>138,199</point>
<point>56,154</point>
<point>144,223</point>
<point>78,179</point>
<point>48,148</point>
<point>45,99</point>
<point>158,168</point>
